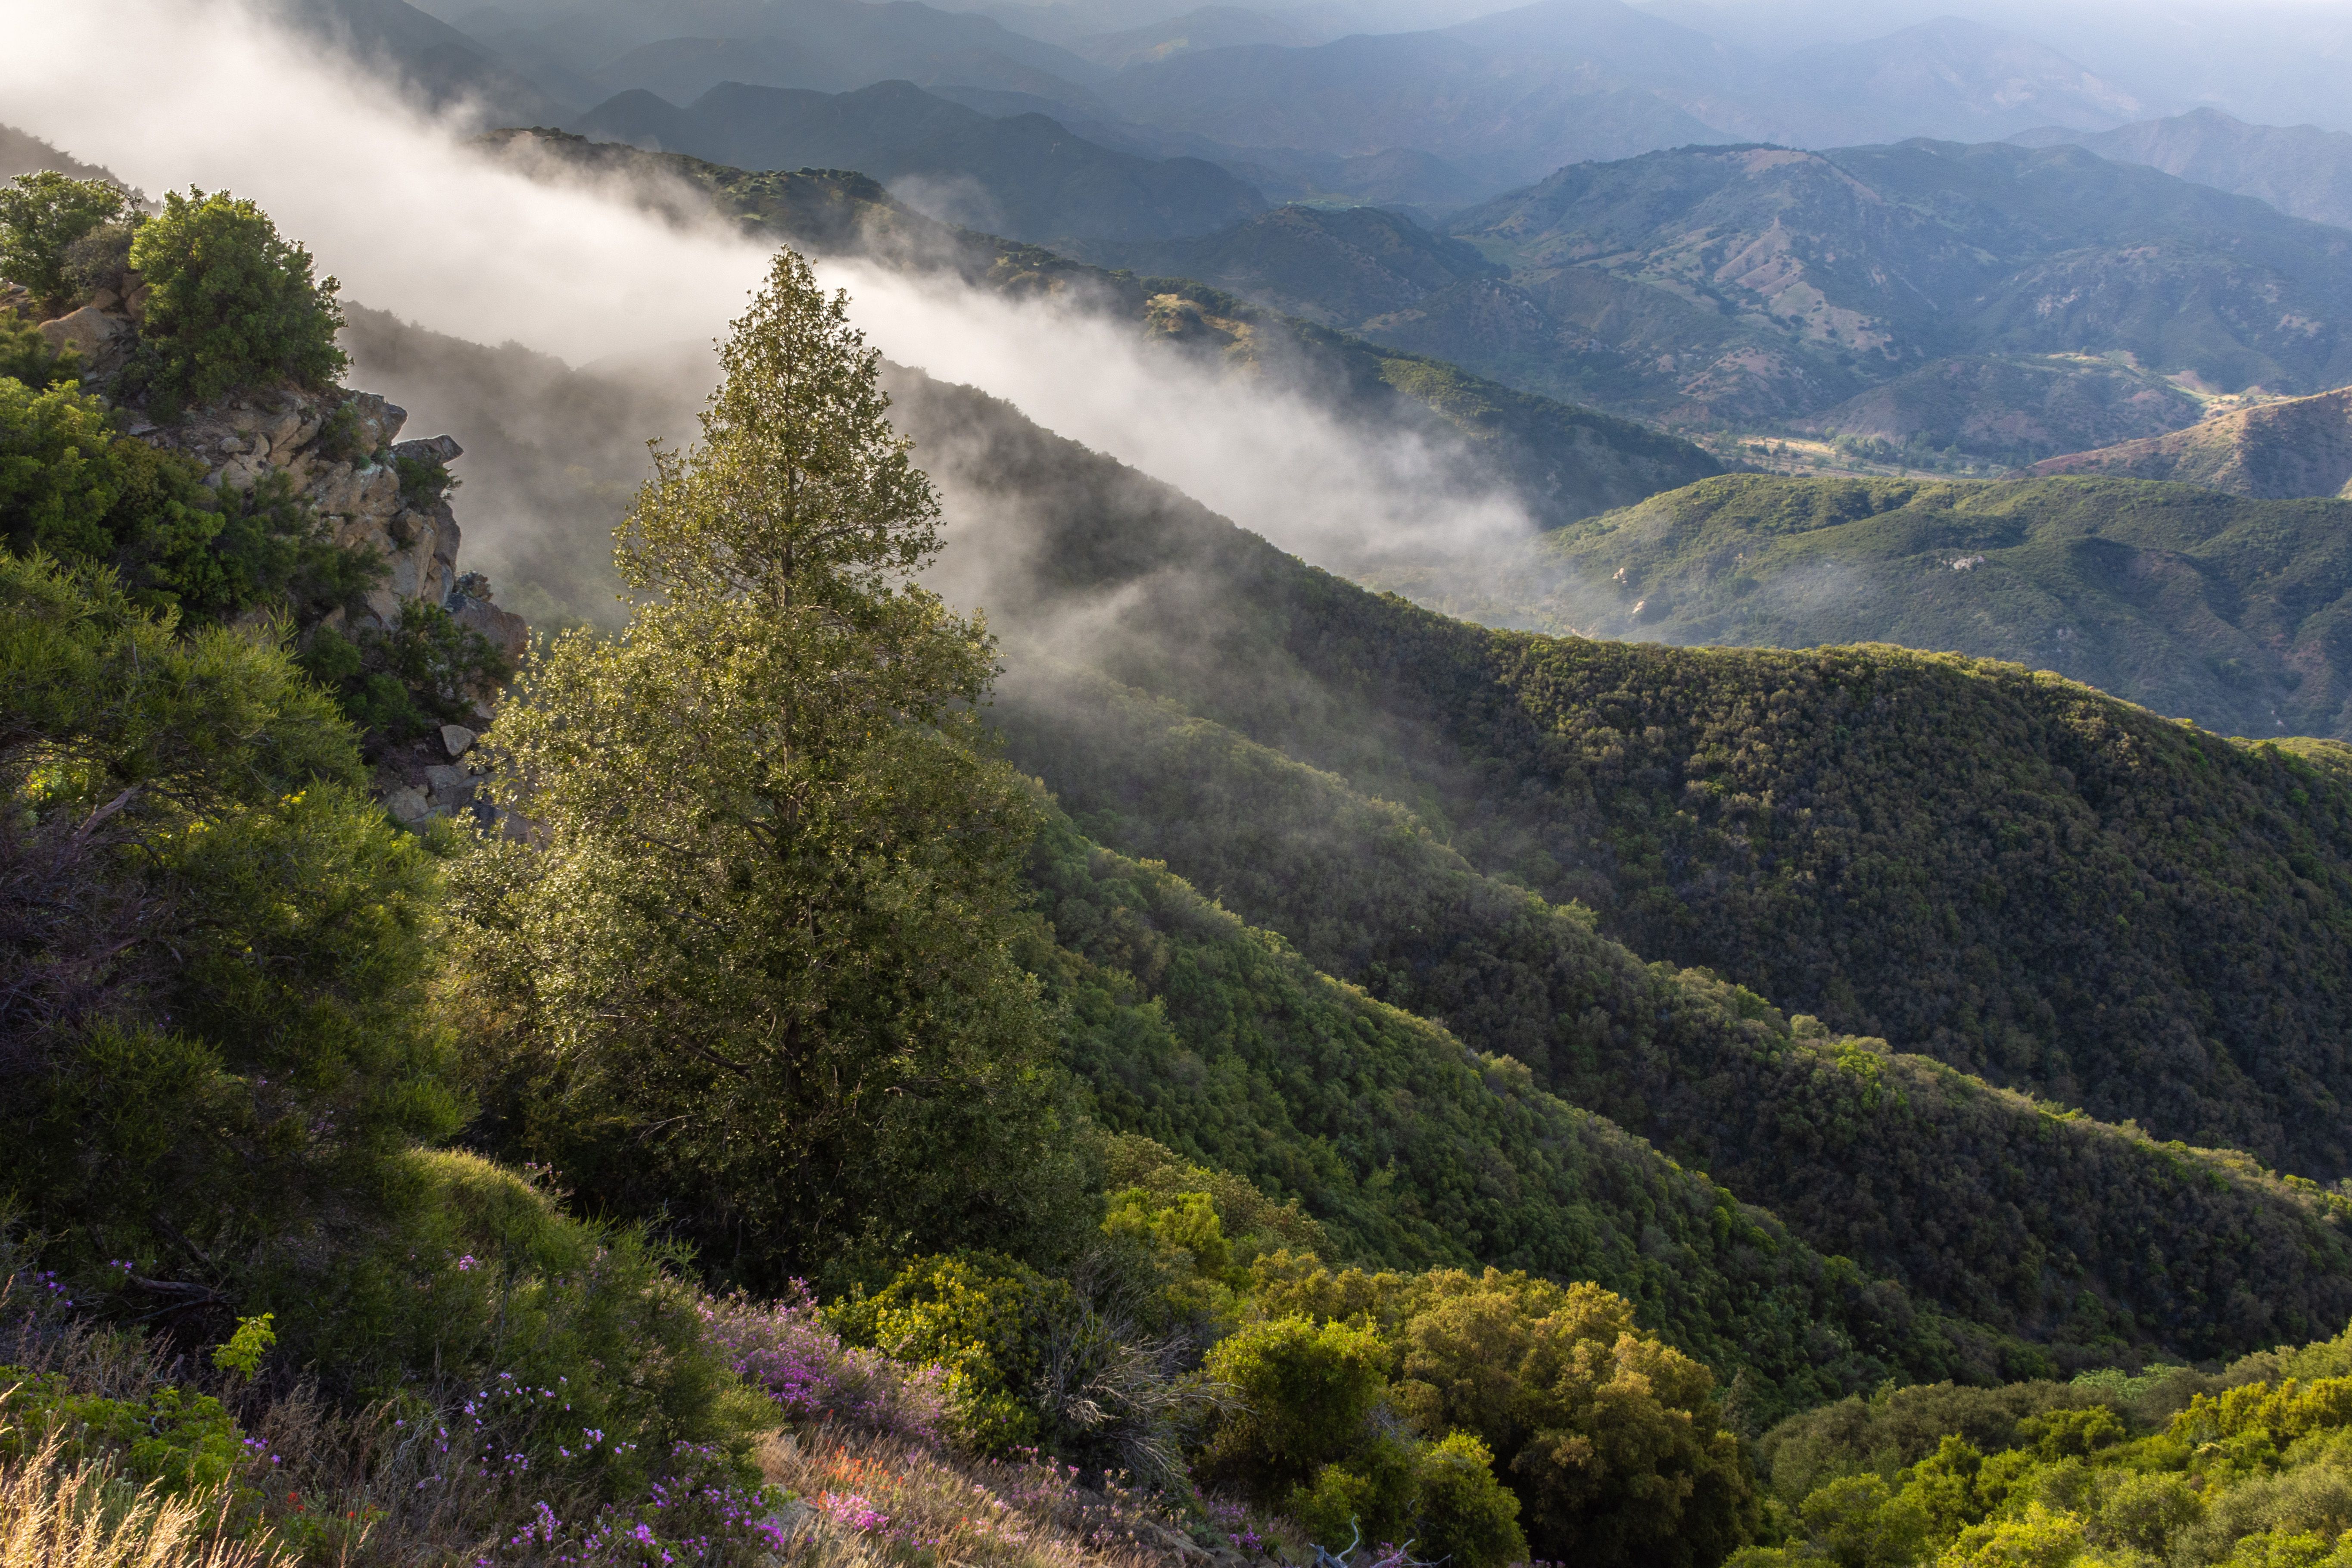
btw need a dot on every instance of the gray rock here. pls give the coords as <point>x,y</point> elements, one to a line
<point>407,803</point>
<point>447,780</point>
<point>506,631</point>
<point>457,739</point>
<point>89,329</point>
<point>430,449</point>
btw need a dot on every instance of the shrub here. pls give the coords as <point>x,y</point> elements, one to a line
<point>578,1346</point>
<point>72,488</point>
<point>424,483</point>
<point>214,952</point>
<point>986,1322</point>
<point>231,305</point>
<point>183,1441</point>
<point>1306,1394</point>
<point>42,215</point>
<point>1613,1438</point>
<point>100,258</point>
<point>26,356</point>
<point>1462,1512</point>
<point>427,669</point>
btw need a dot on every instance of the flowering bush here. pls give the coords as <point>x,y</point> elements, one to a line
<point>908,1504</point>
<point>700,1512</point>
<point>785,1349</point>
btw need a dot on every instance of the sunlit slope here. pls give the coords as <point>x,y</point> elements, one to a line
<point>2300,446</point>
<point>1221,1041</point>
<point>2007,871</point>
<point>2223,608</point>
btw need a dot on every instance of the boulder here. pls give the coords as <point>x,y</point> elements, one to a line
<point>430,449</point>
<point>447,780</point>
<point>456,740</point>
<point>104,340</point>
<point>407,803</point>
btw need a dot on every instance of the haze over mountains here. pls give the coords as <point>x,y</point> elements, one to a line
<point>1478,103</point>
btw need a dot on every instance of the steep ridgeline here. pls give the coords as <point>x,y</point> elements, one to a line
<point>1564,461</point>
<point>2039,885</point>
<point>2302,446</point>
<point>1222,1042</point>
<point>2196,604</point>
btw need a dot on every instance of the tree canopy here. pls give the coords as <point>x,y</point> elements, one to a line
<point>748,962</point>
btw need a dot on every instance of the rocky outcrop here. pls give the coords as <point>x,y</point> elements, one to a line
<point>342,452</point>
<point>338,449</point>
<point>435,776</point>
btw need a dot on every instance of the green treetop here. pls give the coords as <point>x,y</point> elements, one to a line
<point>232,305</point>
<point>41,216</point>
<point>751,962</point>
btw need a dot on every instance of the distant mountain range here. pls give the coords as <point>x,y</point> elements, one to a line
<point>1562,461</point>
<point>2299,169</point>
<point>679,49</point>
<point>1025,175</point>
<point>1452,115</point>
<point>2014,302</point>
<point>2302,446</point>
<point>1511,97</point>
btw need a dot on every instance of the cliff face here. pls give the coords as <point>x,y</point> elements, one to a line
<point>342,453</point>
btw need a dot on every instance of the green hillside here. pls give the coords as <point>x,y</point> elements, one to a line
<point>1223,1043</point>
<point>2022,1217</point>
<point>2197,604</point>
<point>2010,873</point>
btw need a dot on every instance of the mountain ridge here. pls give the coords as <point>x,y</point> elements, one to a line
<point>2271,451</point>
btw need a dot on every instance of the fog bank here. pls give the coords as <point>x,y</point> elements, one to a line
<point>168,93</point>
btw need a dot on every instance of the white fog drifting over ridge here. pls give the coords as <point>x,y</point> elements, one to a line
<point>411,220</point>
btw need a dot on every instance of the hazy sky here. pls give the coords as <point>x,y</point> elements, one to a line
<point>2271,61</point>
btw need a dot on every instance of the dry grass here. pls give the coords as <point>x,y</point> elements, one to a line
<point>362,1489</point>
<point>53,1515</point>
<point>865,1502</point>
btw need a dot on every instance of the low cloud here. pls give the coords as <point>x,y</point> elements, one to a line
<point>416,222</point>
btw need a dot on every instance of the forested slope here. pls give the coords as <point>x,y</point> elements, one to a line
<point>2017,1215</point>
<point>2009,872</point>
<point>1222,1042</point>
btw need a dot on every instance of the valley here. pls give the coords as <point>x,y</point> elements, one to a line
<point>796,783</point>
